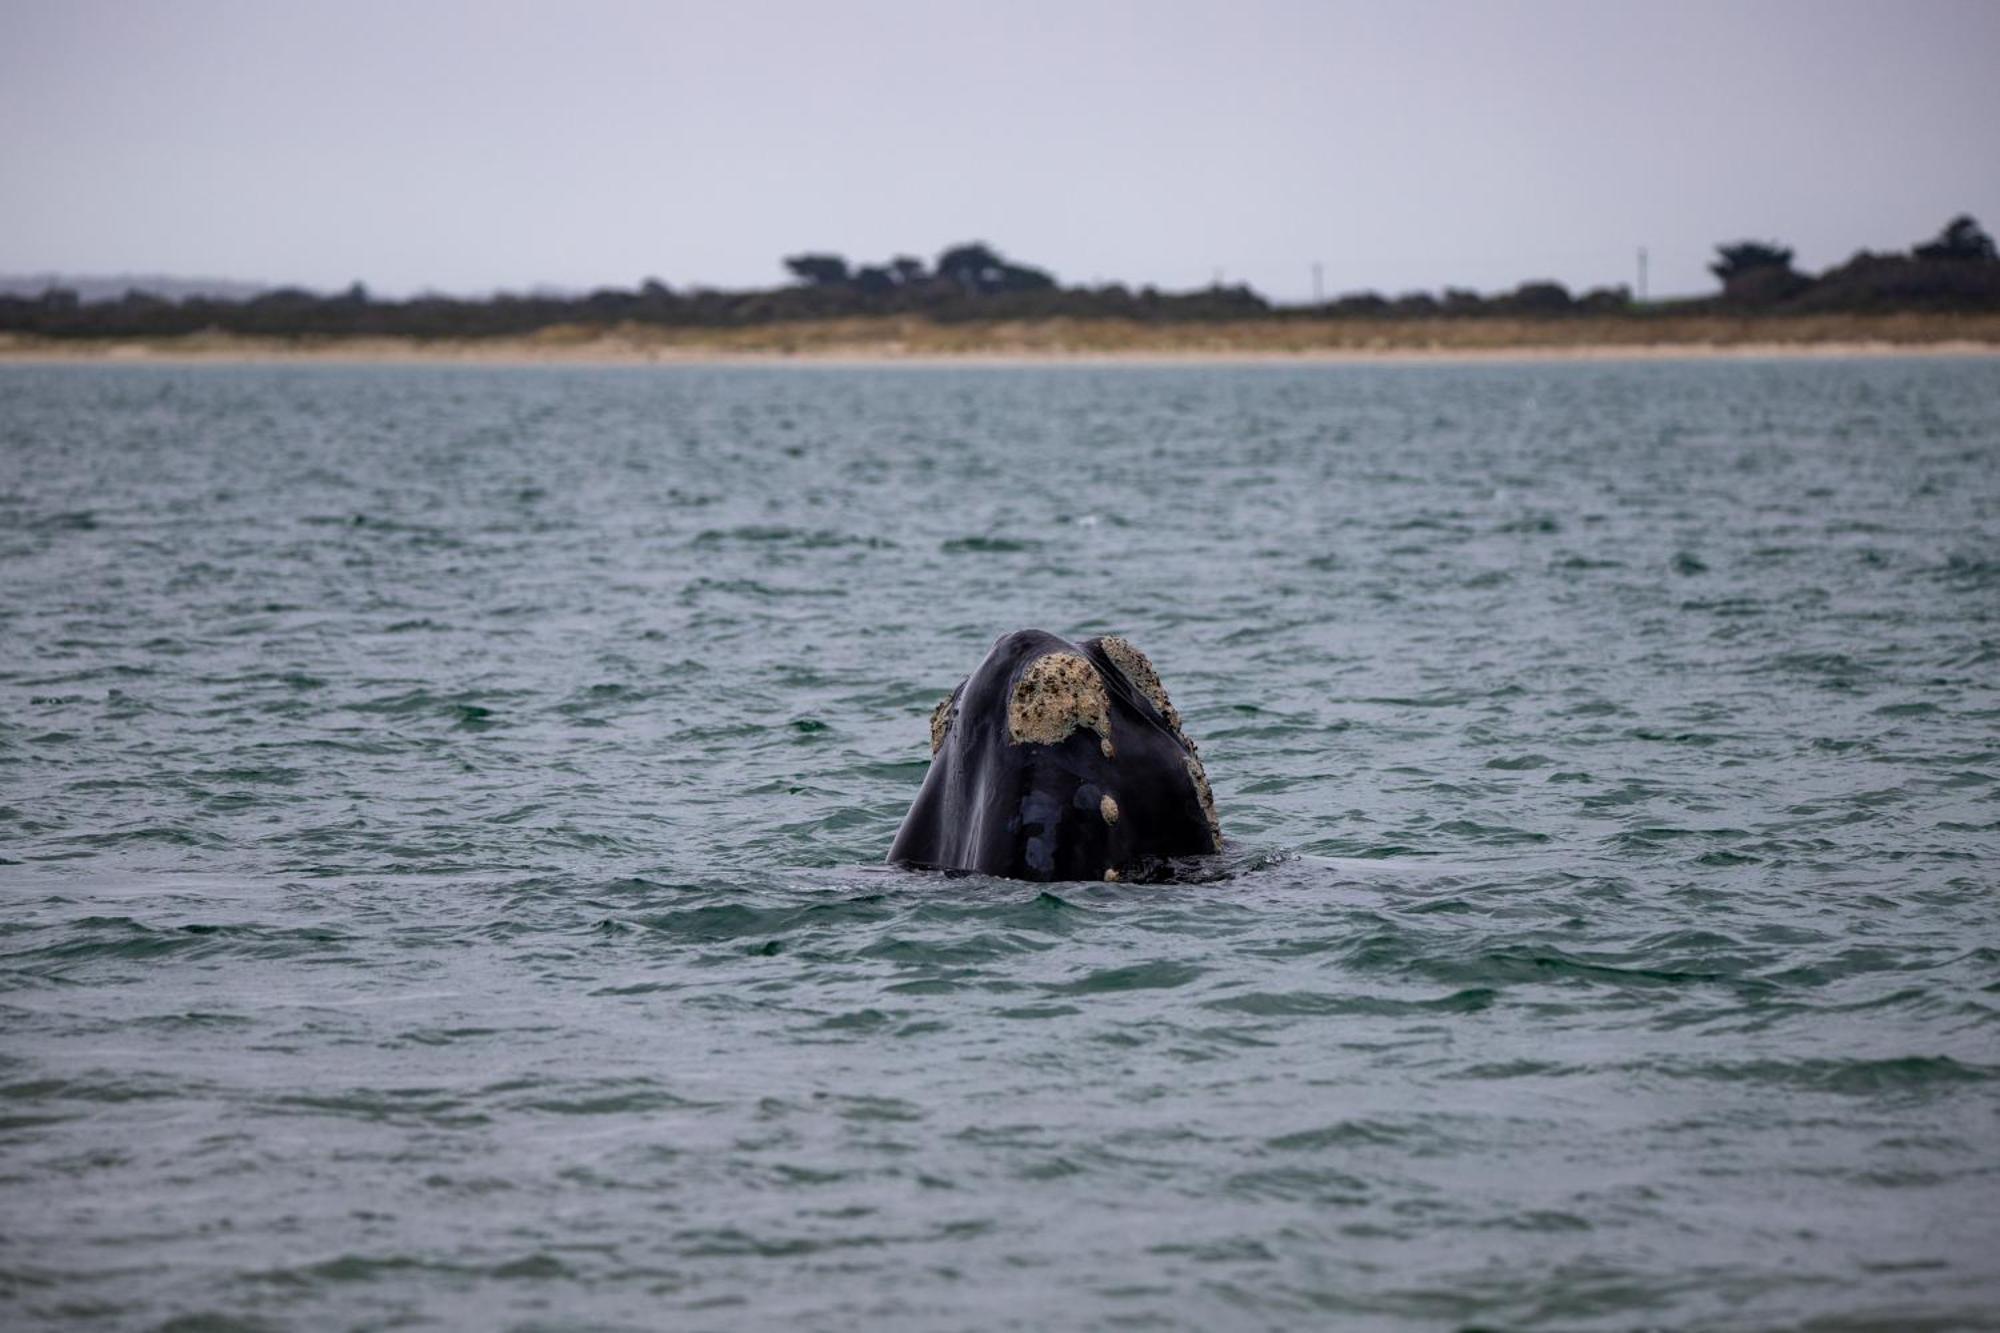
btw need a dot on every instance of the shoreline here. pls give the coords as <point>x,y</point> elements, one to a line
<point>909,342</point>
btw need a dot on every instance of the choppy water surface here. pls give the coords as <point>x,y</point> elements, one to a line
<point>442,814</point>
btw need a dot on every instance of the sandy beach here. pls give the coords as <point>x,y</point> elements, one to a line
<point>913,341</point>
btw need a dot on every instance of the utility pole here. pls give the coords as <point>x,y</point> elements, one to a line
<point>1319,284</point>
<point>1642,275</point>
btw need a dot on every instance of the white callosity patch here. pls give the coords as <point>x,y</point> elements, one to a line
<point>1058,693</point>
<point>941,720</point>
<point>1199,776</point>
<point>1138,669</point>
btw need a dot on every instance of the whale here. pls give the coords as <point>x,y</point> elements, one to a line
<point>1060,761</point>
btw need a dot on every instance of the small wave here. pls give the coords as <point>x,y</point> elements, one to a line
<point>1858,1077</point>
<point>1163,974</point>
<point>1288,1004</point>
<point>988,545</point>
<point>805,539</point>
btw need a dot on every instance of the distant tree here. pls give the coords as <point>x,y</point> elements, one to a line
<point>356,294</point>
<point>874,280</point>
<point>1606,300</point>
<point>1462,301</point>
<point>909,270</point>
<point>968,265</point>
<point>1352,303</point>
<point>1539,298</point>
<point>652,289</point>
<point>1744,257</point>
<point>819,269</point>
<point>1757,273</point>
<point>1021,278</point>
<point>978,268</point>
<point>1961,239</point>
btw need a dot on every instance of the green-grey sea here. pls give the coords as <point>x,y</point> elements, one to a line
<point>443,811</point>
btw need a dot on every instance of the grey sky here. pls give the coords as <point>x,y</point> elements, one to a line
<point>466,145</point>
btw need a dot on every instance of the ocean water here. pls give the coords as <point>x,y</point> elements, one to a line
<point>442,815</point>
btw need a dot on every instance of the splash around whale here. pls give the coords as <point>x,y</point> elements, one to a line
<point>1060,761</point>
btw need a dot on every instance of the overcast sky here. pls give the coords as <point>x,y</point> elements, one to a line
<point>465,145</point>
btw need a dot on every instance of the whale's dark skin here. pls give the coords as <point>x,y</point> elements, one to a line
<point>1059,761</point>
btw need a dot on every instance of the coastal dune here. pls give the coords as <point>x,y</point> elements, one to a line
<point>917,339</point>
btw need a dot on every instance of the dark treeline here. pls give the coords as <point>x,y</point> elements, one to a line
<point>1957,271</point>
